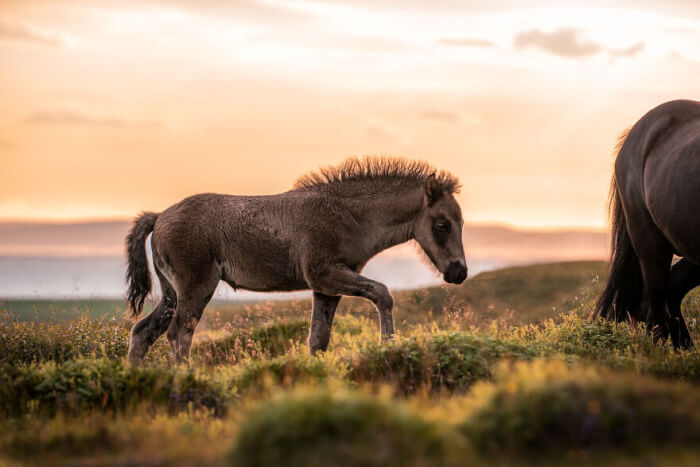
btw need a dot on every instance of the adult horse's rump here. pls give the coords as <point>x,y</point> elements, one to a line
<point>317,236</point>
<point>655,198</point>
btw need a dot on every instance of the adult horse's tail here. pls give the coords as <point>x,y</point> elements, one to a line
<point>621,297</point>
<point>137,275</point>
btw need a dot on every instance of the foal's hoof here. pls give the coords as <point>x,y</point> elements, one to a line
<point>136,354</point>
<point>135,360</point>
<point>387,338</point>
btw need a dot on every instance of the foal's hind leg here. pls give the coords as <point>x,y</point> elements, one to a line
<point>145,332</point>
<point>321,321</point>
<point>192,298</point>
<point>684,277</point>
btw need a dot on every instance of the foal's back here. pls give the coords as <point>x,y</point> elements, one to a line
<point>256,241</point>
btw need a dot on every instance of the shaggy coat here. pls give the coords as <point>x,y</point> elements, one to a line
<point>317,236</point>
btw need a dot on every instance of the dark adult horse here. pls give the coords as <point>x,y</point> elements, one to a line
<point>655,197</point>
<point>317,236</point>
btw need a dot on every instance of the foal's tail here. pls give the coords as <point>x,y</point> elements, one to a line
<point>621,297</point>
<point>137,274</point>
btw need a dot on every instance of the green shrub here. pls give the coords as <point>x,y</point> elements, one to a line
<point>451,361</point>
<point>548,407</point>
<point>679,366</point>
<point>141,438</point>
<point>319,428</point>
<point>593,338</point>
<point>257,376</point>
<point>606,343</point>
<point>31,437</point>
<point>351,325</point>
<point>269,341</point>
<point>277,338</point>
<point>26,342</point>
<point>87,384</point>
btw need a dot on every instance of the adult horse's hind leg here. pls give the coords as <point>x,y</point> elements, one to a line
<point>192,298</point>
<point>655,262</point>
<point>684,277</point>
<point>146,331</point>
<point>655,255</point>
<point>321,321</point>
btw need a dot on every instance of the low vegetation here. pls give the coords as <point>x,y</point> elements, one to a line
<point>465,385</point>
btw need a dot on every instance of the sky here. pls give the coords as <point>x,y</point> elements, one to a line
<point>109,107</point>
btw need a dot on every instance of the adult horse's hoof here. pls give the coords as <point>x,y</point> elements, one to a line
<point>660,333</point>
<point>685,344</point>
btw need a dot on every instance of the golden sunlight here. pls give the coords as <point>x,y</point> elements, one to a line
<point>118,107</point>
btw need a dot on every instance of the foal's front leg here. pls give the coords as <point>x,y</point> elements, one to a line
<point>321,321</point>
<point>344,281</point>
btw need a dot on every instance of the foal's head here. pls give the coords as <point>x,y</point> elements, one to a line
<point>438,231</point>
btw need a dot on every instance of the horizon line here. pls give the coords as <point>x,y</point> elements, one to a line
<point>558,228</point>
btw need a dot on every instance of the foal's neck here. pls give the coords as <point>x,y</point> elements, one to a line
<point>388,218</point>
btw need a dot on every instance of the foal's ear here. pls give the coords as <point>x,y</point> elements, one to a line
<point>433,192</point>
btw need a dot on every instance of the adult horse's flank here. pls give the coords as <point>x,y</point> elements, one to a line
<point>654,202</point>
<point>317,236</point>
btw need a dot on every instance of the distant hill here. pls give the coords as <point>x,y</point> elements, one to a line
<point>86,260</point>
<point>523,294</point>
<point>527,246</point>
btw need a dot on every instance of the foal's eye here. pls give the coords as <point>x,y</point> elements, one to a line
<point>442,226</point>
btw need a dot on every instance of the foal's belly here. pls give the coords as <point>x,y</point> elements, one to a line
<point>269,275</point>
<point>267,284</point>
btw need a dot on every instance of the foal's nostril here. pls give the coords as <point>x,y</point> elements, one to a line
<point>462,275</point>
<point>456,273</point>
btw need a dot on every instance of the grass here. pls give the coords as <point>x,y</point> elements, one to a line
<point>63,310</point>
<point>464,381</point>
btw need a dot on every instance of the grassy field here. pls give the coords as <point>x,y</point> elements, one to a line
<point>507,369</point>
<point>63,310</point>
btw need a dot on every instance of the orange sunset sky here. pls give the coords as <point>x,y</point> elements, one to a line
<point>112,107</point>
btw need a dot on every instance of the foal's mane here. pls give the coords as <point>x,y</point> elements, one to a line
<point>377,168</point>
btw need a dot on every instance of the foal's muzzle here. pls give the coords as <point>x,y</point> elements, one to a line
<point>456,272</point>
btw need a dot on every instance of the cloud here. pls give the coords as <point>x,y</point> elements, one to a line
<point>440,115</point>
<point>446,116</point>
<point>467,42</point>
<point>568,42</point>
<point>378,134</point>
<point>72,118</point>
<point>677,7</point>
<point>565,42</point>
<point>279,13</point>
<point>629,51</point>
<point>383,131</point>
<point>14,30</point>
